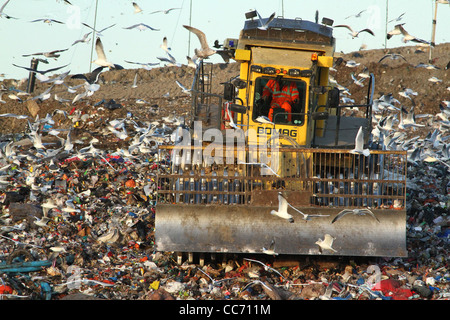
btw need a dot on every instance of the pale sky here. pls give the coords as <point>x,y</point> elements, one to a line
<point>218,19</point>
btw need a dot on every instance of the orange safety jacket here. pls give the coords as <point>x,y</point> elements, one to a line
<point>281,98</point>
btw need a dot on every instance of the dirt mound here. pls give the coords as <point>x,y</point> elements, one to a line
<point>157,94</point>
<point>393,76</point>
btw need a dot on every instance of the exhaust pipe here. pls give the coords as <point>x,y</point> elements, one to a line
<point>32,76</point>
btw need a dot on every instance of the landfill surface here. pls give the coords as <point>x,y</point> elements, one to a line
<point>77,219</point>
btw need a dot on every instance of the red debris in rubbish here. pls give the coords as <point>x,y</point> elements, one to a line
<point>393,288</point>
<point>5,289</point>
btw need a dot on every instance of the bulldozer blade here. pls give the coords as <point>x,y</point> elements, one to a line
<point>250,229</point>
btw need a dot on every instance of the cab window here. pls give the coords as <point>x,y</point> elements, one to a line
<point>279,99</point>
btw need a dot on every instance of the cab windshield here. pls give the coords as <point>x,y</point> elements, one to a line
<point>280,100</point>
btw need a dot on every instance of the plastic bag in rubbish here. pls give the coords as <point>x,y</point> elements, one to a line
<point>73,282</point>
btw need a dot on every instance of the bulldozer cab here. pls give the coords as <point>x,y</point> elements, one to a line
<point>262,103</point>
<point>242,158</point>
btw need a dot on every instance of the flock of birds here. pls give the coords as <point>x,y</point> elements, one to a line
<point>327,242</point>
<point>387,110</point>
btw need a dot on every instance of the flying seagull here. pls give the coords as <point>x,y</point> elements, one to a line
<point>358,15</point>
<point>165,11</point>
<point>358,82</point>
<point>408,119</point>
<point>99,33</point>
<point>359,144</point>
<point>101,57</point>
<point>306,216</point>
<point>264,25</point>
<point>145,65</point>
<point>398,29</point>
<point>84,39</point>
<point>141,27</point>
<point>357,211</point>
<point>93,76</point>
<point>353,33</point>
<point>40,71</point>
<point>205,50</point>
<point>326,243</point>
<point>165,45</point>
<point>183,88</point>
<point>398,18</point>
<point>282,209</point>
<point>2,14</point>
<point>47,20</point>
<point>51,54</point>
<point>392,56</point>
<point>407,93</point>
<point>136,7</point>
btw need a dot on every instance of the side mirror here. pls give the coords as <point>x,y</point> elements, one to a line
<point>238,108</point>
<point>228,91</point>
<point>319,115</point>
<point>333,98</point>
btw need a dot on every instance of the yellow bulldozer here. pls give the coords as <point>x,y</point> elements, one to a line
<point>248,176</point>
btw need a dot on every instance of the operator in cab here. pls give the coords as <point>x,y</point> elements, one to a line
<point>284,94</point>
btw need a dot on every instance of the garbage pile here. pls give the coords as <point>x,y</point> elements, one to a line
<point>77,222</point>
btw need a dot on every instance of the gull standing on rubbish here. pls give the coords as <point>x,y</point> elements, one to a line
<point>357,212</point>
<point>282,209</point>
<point>205,50</point>
<point>359,144</point>
<point>266,267</point>
<point>326,243</point>
<point>56,251</point>
<point>434,80</point>
<point>264,25</point>
<point>214,282</point>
